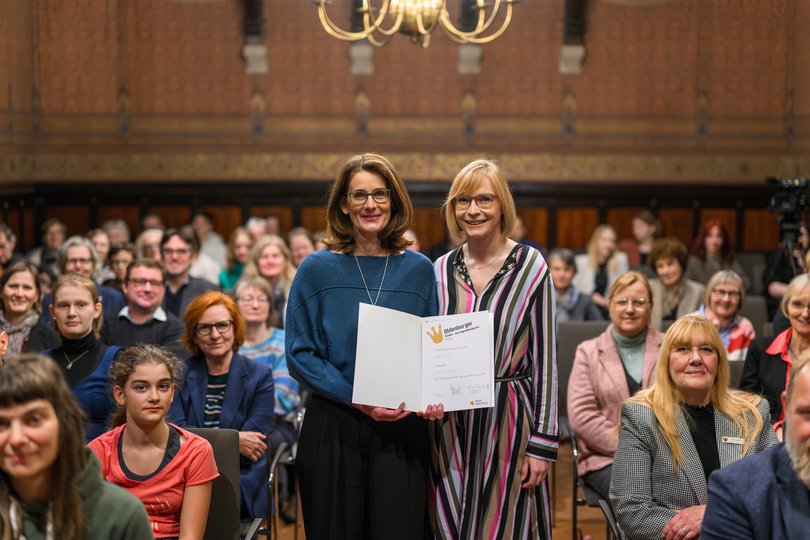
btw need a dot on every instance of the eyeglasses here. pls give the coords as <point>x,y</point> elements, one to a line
<point>722,293</point>
<point>482,201</point>
<point>797,306</point>
<point>638,303</point>
<point>223,327</point>
<point>685,350</point>
<point>181,252</point>
<point>358,196</point>
<point>248,300</point>
<point>140,282</point>
<point>79,261</point>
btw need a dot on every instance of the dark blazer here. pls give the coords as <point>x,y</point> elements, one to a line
<point>191,290</point>
<point>765,374</point>
<point>248,406</point>
<point>758,497</point>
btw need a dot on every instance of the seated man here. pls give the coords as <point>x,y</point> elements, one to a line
<point>766,496</point>
<point>179,249</point>
<point>143,320</point>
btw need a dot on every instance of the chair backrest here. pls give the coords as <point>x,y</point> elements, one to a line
<point>736,368</point>
<point>569,335</point>
<point>753,263</point>
<point>615,529</point>
<point>767,330</point>
<point>755,310</point>
<point>223,513</point>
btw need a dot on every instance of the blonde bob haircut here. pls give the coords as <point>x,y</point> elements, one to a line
<point>724,277</point>
<point>340,234</point>
<point>665,398</point>
<point>467,181</point>
<point>80,282</point>
<point>796,286</point>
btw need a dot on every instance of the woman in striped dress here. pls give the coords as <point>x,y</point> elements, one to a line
<point>490,465</point>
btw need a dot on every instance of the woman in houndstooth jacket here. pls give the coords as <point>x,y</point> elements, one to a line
<point>675,433</point>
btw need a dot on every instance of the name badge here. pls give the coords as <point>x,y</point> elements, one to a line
<point>732,440</point>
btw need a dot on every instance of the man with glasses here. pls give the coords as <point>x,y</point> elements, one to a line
<point>143,320</point>
<point>78,256</point>
<point>178,249</point>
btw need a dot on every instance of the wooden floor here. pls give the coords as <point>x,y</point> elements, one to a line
<point>591,521</point>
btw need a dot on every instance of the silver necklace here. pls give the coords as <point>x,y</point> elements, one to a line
<point>496,259</point>
<point>71,362</point>
<point>373,302</point>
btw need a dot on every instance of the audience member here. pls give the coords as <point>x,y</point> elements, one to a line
<point>223,389</point>
<point>46,282</point>
<point>240,242</point>
<point>257,227</point>
<point>120,257</point>
<point>84,360</point>
<point>152,221</point>
<point>118,231</point>
<point>317,239</point>
<point>722,301</point>
<point>572,305</point>
<point>150,458</point>
<point>46,256</point>
<point>211,242</point>
<point>646,229</point>
<point>142,319</point>
<point>491,465</point>
<point>8,242</point>
<point>766,495</point>
<point>147,245</point>
<point>782,265</point>
<point>50,484</point>
<point>204,265</point>
<point>179,249</point>
<point>712,252</point>
<point>301,245</point>
<point>674,434</point>
<point>384,451</point>
<point>271,260</point>
<point>264,343</point>
<point>274,226</point>
<point>78,256</point>
<point>414,245</point>
<point>20,307</point>
<point>600,266</point>
<point>769,359</point>
<point>607,370</point>
<point>674,295</point>
<point>101,242</point>
<point>518,234</point>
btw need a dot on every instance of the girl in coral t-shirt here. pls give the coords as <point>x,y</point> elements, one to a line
<point>169,469</point>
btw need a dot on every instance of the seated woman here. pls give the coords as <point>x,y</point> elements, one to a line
<point>120,257</point>
<point>150,458</point>
<point>264,343</point>
<point>50,484</point>
<point>572,305</point>
<point>675,433</point>
<point>712,252</point>
<point>600,266</point>
<point>721,303</point>
<point>607,370</point>
<point>240,242</point>
<point>674,294</point>
<point>20,307</point>
<point>223,389</point>
<point>270,258</point>
<point>84,360</point>
<point>768,362</point>
<point>646,229</point>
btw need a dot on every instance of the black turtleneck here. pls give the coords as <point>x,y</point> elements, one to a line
<point>704,435</point>
<point>85,365</point>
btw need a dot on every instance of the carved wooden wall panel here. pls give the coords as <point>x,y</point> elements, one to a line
<point>173,216</point>
<point>801,62</point>
<point>537,225</point>
<point>575,226</point>
<point>677,222</point>
<point>429,225</point>
<point>76,218</point>
<point>313,218</point>
<point>760,230</point>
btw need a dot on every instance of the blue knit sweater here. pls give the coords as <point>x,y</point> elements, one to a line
<point>321,323</point>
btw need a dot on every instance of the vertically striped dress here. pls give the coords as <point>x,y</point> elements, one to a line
<point>478,454</point>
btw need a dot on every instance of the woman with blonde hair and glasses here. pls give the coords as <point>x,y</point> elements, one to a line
<point>675,433</point>
<point>607,370</point>
<point>491,463</point>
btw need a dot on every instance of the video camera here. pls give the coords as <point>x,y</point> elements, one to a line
<point>789,202</point>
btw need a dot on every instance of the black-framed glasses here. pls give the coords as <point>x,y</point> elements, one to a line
<point>140,282</point>
<point>358,196</point>
<point>482,201</point>
<point>205,329</point>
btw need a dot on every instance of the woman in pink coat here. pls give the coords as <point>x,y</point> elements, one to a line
<point>607,370</point>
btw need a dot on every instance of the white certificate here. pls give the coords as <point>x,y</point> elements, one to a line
<point>421,361</point>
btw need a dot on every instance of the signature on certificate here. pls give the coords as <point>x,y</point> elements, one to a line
<point>459,389</point>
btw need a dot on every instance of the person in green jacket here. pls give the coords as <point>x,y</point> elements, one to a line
<point>50,484</point>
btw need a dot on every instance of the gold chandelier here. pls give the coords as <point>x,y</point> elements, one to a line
<point>418,19</point>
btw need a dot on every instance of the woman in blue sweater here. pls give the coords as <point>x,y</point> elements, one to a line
<point>362,470</point>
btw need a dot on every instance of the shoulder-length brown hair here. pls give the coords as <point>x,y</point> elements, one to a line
<point>194,313</point>
<point>340,234</point>
<point>30,377</point>
<point>16,268</point>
